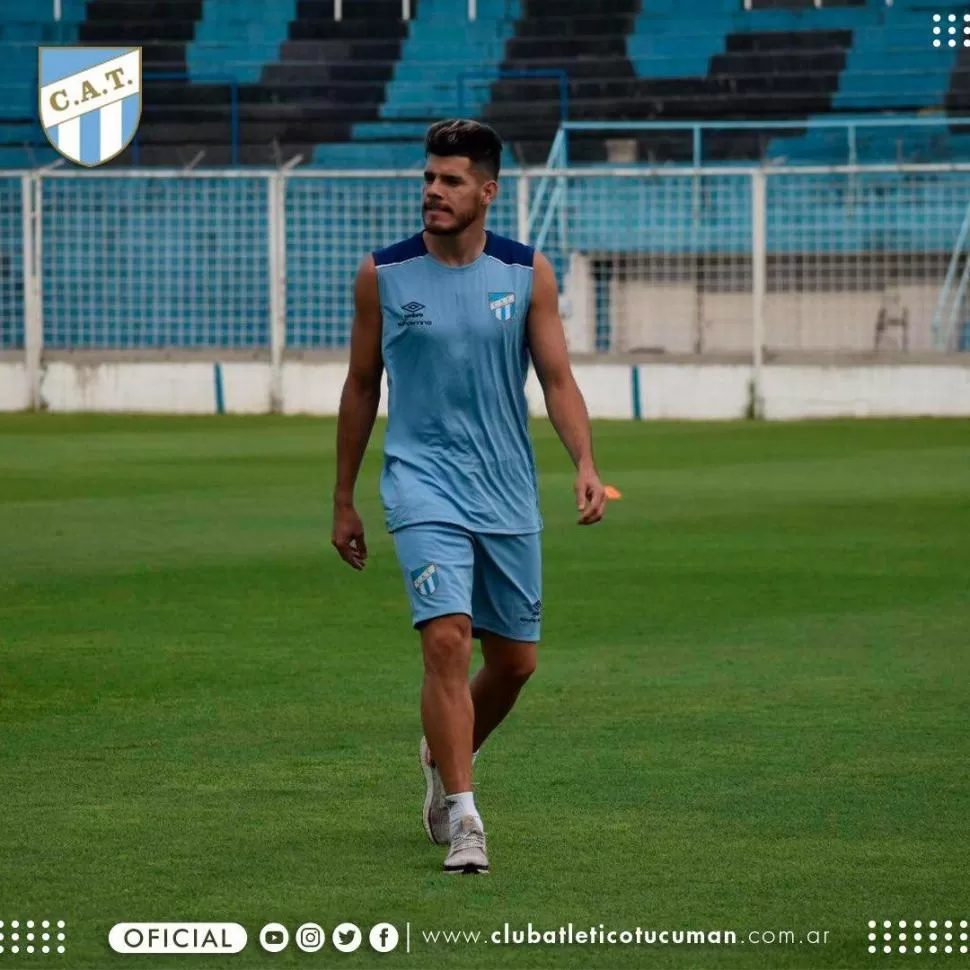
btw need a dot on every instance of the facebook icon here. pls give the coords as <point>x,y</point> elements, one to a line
<point>383,937</point>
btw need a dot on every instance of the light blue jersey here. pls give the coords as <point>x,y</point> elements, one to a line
<point>457,448</point>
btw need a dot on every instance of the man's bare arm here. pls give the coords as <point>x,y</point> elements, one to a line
<point>564,401</point>
<point>547,342</point>
<point>361,394</point>
<point>358,410</point>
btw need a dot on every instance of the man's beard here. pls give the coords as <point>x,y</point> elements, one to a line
<point>460,224</point>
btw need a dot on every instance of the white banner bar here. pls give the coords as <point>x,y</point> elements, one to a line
<point>98,86</point>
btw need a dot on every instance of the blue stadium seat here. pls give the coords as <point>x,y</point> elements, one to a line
<point>238,38</point>
<point>425,83</point>
<point>22,30</point>
<point>361,92</point>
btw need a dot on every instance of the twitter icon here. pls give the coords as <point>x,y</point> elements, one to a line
<point>346,937</point>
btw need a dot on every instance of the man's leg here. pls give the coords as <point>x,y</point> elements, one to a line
<point>507,616</point>
<point>446,703</point>
<point>495,688</point>
<point>448,717</point>
<point>437,562</point>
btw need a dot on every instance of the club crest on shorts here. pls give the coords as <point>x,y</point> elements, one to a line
<point>426,579</point>
<point>502,306</point>
<point>90,100</point>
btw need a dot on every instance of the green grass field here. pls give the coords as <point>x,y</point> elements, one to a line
<point>752,708</point>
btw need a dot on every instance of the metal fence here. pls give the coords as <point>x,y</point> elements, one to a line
<point>891,139</point>
<point>739,262</point>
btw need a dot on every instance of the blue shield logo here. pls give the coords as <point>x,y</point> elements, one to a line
<point>90,100</point>
<point>426,579</point>
<point>502,306</point>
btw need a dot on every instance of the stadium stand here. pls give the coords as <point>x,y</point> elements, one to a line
<point>424,83</point>
<point>239,38</point>
<point>299,82</point>
<point>360,91</point>
<point>22,141</point>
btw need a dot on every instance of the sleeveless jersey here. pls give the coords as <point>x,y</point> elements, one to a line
<point>457,448</point>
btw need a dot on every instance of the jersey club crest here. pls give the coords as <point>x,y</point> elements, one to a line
<point>90,100</point>
<point>502,306</point>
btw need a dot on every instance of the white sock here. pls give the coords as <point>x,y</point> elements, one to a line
<point>460,805</point>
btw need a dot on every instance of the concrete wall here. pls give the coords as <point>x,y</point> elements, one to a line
<point>613,390</point>
<point>14,392</point>
<point>653,307</point>
<point>667,317</point>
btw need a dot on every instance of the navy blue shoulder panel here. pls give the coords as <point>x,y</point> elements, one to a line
<point>398,252</point>
<point>509,251</point>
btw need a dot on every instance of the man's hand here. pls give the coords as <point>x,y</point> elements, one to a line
<point>590,496</point>
<point>348,535</point>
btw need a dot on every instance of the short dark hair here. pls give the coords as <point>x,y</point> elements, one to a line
<point>470,139</point>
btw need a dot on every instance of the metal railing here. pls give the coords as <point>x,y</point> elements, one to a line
<point>743,261</point>
<point>849,126</point>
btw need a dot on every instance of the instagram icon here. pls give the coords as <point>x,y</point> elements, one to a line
<point>310,938</point>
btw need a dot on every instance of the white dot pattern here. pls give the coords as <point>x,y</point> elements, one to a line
<point>895,937</point>
<point>24,935</point>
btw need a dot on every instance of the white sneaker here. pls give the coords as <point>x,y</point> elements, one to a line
<point>467,853</point>
<point>435,815</point>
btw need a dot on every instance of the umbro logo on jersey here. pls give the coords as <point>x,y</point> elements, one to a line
<point>413,315</point>
<point>502,306</point>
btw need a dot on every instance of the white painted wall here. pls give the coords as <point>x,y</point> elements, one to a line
<point>694,391</point>
<point>14,391</point>
<point>863,392</point>
<point>670,317</point>
<point>246,387</point>
<point>148,387</point>
<point>607,389</point>
<point>310,388</point>
<point>577,306</point>
<point>666,391</point>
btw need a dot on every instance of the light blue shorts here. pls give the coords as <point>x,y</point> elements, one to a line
<point>494,579</point>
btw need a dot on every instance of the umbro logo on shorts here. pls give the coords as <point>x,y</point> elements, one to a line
<point>535,613</point>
